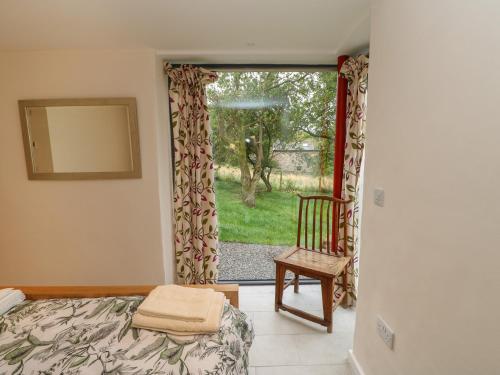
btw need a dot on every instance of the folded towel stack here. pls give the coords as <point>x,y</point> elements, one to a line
<point>180,310</point>
<point>9,298</point>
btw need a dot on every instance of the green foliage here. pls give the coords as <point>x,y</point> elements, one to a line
<point>289,106</point>
<point>273,221</point>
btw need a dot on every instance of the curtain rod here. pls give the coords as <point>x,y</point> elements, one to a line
<point>264,67</point>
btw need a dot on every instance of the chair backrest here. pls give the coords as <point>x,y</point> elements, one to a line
<point>319,223</point>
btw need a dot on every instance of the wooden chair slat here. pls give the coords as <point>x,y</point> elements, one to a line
<point>321,226</point>
<point>306,221</point>
<point>314,224</point>
<point>299,224</point>
<point>328,247</point>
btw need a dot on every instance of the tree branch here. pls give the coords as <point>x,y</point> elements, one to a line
<point>301,78</point>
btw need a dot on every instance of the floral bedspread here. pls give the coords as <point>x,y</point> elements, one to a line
<point>94,336</point>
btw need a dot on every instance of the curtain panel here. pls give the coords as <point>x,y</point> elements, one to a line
<point>355,70</point>
<point>195,214</point>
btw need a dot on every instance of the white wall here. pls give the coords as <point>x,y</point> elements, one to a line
<point>165,169</point>
<point>430,259</point>
<point>82,232</point>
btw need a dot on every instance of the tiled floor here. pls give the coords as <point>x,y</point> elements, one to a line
<point>285,344</point>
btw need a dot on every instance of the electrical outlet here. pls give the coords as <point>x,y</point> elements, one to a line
<point>379,197</point>
<point>385,332</point>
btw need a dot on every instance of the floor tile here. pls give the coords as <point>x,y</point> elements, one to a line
<point>256,302</point>
<point>274,350</point>
<point>304,370</point>
<point>324,349</point>
<point>286,344</point>
<point>344,320</point>
<point>308,299</point>
<point>256,289</point>
<point>283,323</point>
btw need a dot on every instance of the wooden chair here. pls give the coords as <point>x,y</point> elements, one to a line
<point>315,256</point>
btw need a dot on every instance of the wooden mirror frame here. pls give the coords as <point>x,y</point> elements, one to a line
<point>130,103</point>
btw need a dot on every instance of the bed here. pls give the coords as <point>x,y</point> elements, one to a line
<point>94,336</point>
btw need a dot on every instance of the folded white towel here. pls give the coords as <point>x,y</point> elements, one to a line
<point>182,327</point>
<point>5,292</point>
<point>177,302</point>
<point>9,299</point>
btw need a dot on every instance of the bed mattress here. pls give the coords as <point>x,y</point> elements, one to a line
<point>94,336</point>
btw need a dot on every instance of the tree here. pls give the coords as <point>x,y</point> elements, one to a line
<point>313,105</point>
<point>254,113</point>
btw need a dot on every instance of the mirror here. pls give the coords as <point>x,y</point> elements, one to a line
<point>66,139</point>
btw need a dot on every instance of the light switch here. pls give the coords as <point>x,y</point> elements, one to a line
<point>379,197</point>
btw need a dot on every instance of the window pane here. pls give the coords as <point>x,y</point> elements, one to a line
<point>273,135</point>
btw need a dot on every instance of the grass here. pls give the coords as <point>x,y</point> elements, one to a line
<point>273,221</point>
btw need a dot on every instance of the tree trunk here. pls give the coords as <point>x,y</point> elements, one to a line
<point>249,181</point>
<point>265,178</point>
<point>248,194</point>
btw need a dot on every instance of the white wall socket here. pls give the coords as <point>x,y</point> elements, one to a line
<point>379,197</point>
<point>385,332</point>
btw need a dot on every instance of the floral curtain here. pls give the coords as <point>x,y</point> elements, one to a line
<point>195,214</point>
<point>355,70</point>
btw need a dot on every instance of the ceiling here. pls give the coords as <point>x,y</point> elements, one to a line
<point>211,31</point>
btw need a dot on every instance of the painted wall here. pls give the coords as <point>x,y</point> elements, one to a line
<point>430,257</point>
<point>75,232</point>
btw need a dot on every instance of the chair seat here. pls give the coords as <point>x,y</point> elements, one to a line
<point>323,264</point>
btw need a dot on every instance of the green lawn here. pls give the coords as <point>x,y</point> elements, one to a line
<point>273,221</point>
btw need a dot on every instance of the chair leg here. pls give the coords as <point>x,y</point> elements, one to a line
<point>280,284</point>
<point>296,283</point>
<point>327,294</point>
